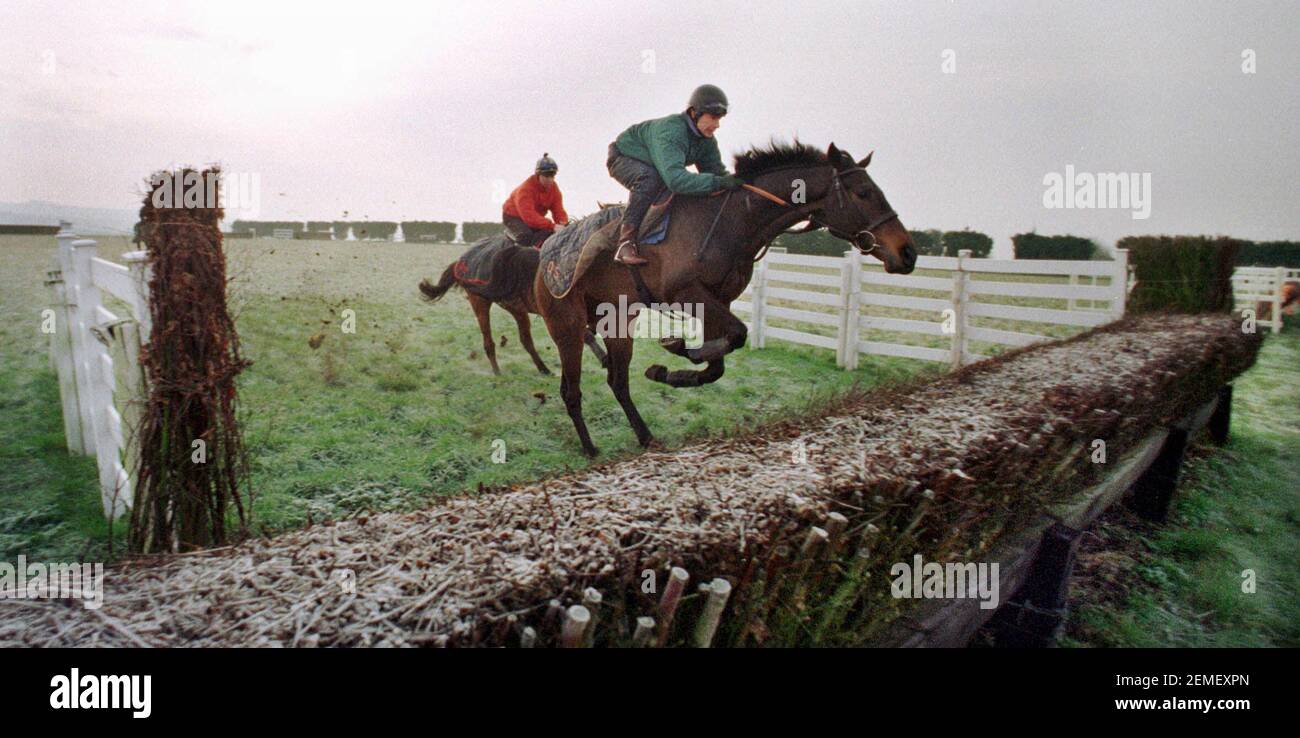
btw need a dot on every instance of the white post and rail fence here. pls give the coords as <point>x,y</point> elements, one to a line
<point>96,354</point>
<point>844,289</point>
<point>1255,287</point>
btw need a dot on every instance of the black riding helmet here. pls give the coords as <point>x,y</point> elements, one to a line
<point>709,99</point>
<point>546,165</point>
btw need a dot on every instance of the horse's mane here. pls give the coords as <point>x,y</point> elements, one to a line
<point>774,155</point>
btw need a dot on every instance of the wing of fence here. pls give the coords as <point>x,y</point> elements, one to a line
<point>950,310</point>
<point>1256,287</point>
<point>96,354</point>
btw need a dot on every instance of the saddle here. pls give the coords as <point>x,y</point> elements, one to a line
<point>572,250</point>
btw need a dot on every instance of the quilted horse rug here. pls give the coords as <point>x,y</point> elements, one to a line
<point>568,253</point>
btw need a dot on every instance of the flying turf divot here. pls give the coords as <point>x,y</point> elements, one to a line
<point>794,553</point>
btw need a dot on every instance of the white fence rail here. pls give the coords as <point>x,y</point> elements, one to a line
<point>842,300</point>
<point>1252,286</point>
<point>96,355</point>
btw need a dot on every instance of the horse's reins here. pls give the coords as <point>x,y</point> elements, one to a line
<point>838,188</point>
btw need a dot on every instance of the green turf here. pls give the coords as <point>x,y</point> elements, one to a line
<point>1237,509</point>
<point>401,411</point>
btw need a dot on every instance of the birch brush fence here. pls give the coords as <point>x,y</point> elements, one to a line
<point>783,536</point>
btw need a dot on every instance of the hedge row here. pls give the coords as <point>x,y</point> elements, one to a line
<point>927,243</point>
<point>472,231</point>
<point>1189,274</point>
<point>1034,246</point>
<point>1270,254</point>
<point>429,230</point>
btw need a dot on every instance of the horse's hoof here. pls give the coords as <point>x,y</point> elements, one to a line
<point>673,345</point>
<point>590,452</point>
<point>546,371</point>
<point>657,373</point>
<point>650,443</point>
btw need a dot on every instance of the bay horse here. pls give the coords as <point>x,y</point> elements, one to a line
<point>707,259</point>
<point>510,286</point>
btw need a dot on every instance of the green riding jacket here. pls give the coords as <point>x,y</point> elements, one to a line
<point>671,144</point>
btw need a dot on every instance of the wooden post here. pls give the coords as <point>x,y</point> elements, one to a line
<point>672,596</point>
<point>63,358</point>
<point>1221,420</point>
<point>645,630</point>
<point>528,638</point>
<point>1034,615</point>
<point>854,309</point>
<point>1119,287</point>
<point>130,400</point>
<point>959,281</point>
<point>1155,488</point>
<point>758,299</point>
<point>84,297</point>
<point>576,619</point>
<point>137,263</point>
<point>842,332</point>
<point>1279,281</point>
<point>591,599</point>
<point>718,592</point>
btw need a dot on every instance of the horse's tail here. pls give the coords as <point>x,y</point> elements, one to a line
<point>434,292</point>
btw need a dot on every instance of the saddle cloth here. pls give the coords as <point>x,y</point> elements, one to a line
<point>475,265</point>
<point>568,253</point>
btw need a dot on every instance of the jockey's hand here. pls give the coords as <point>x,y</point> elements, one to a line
<point>730,182</point>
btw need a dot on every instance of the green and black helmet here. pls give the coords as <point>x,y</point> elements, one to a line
<point>709,99</point>
<point>546,165</point>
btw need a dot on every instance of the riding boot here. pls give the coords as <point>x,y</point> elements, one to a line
<point>626,253</point>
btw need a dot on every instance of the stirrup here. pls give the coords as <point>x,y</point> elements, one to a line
<point>633,260</point>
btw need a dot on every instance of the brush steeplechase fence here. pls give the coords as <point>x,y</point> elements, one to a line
<point>856,308</point>
<point>96,353</point>
<point>1252,286</point>
<point>786,535</point>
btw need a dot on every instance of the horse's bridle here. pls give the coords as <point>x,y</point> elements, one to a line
<point>838,188</point>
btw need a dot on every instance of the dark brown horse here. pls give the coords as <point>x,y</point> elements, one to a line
<point>510,286</point>
<point>828,190</point>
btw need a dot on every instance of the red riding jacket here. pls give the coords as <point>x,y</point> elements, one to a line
<point>530,202</point>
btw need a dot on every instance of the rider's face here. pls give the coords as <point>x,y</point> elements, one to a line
<point>708,123</point>
<point>546,179</point>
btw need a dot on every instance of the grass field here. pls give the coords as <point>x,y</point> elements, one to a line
<point>404,409</point>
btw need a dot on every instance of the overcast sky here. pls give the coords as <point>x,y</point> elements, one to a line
<point>429,110</point>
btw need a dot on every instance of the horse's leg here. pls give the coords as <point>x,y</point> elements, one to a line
<point>711,373</point>
<point>526,337</point>
<point>566,326</point>
<point>590,339</point>
<point>482,307</point>
<point>620,356</point>
<point>723,333</point>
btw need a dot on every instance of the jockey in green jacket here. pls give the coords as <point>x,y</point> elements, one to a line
<point>652,156</point>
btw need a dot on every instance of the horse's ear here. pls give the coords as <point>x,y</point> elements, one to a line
<point>867,160</point>
<point>833,153</point>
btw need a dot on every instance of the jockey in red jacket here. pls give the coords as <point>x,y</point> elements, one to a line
<point>524,212</point>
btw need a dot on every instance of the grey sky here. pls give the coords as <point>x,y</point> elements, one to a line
<point>426,110</point>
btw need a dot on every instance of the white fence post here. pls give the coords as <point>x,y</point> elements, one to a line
<point>842,332</point>
<point>137,262</point>
<point>1119,285</point>
<point>1279,281</point>
<point>960,279</point>
<point>62,350</point>
<point>84,297</point>
<point>758,298</point>
<point>854,312</point>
